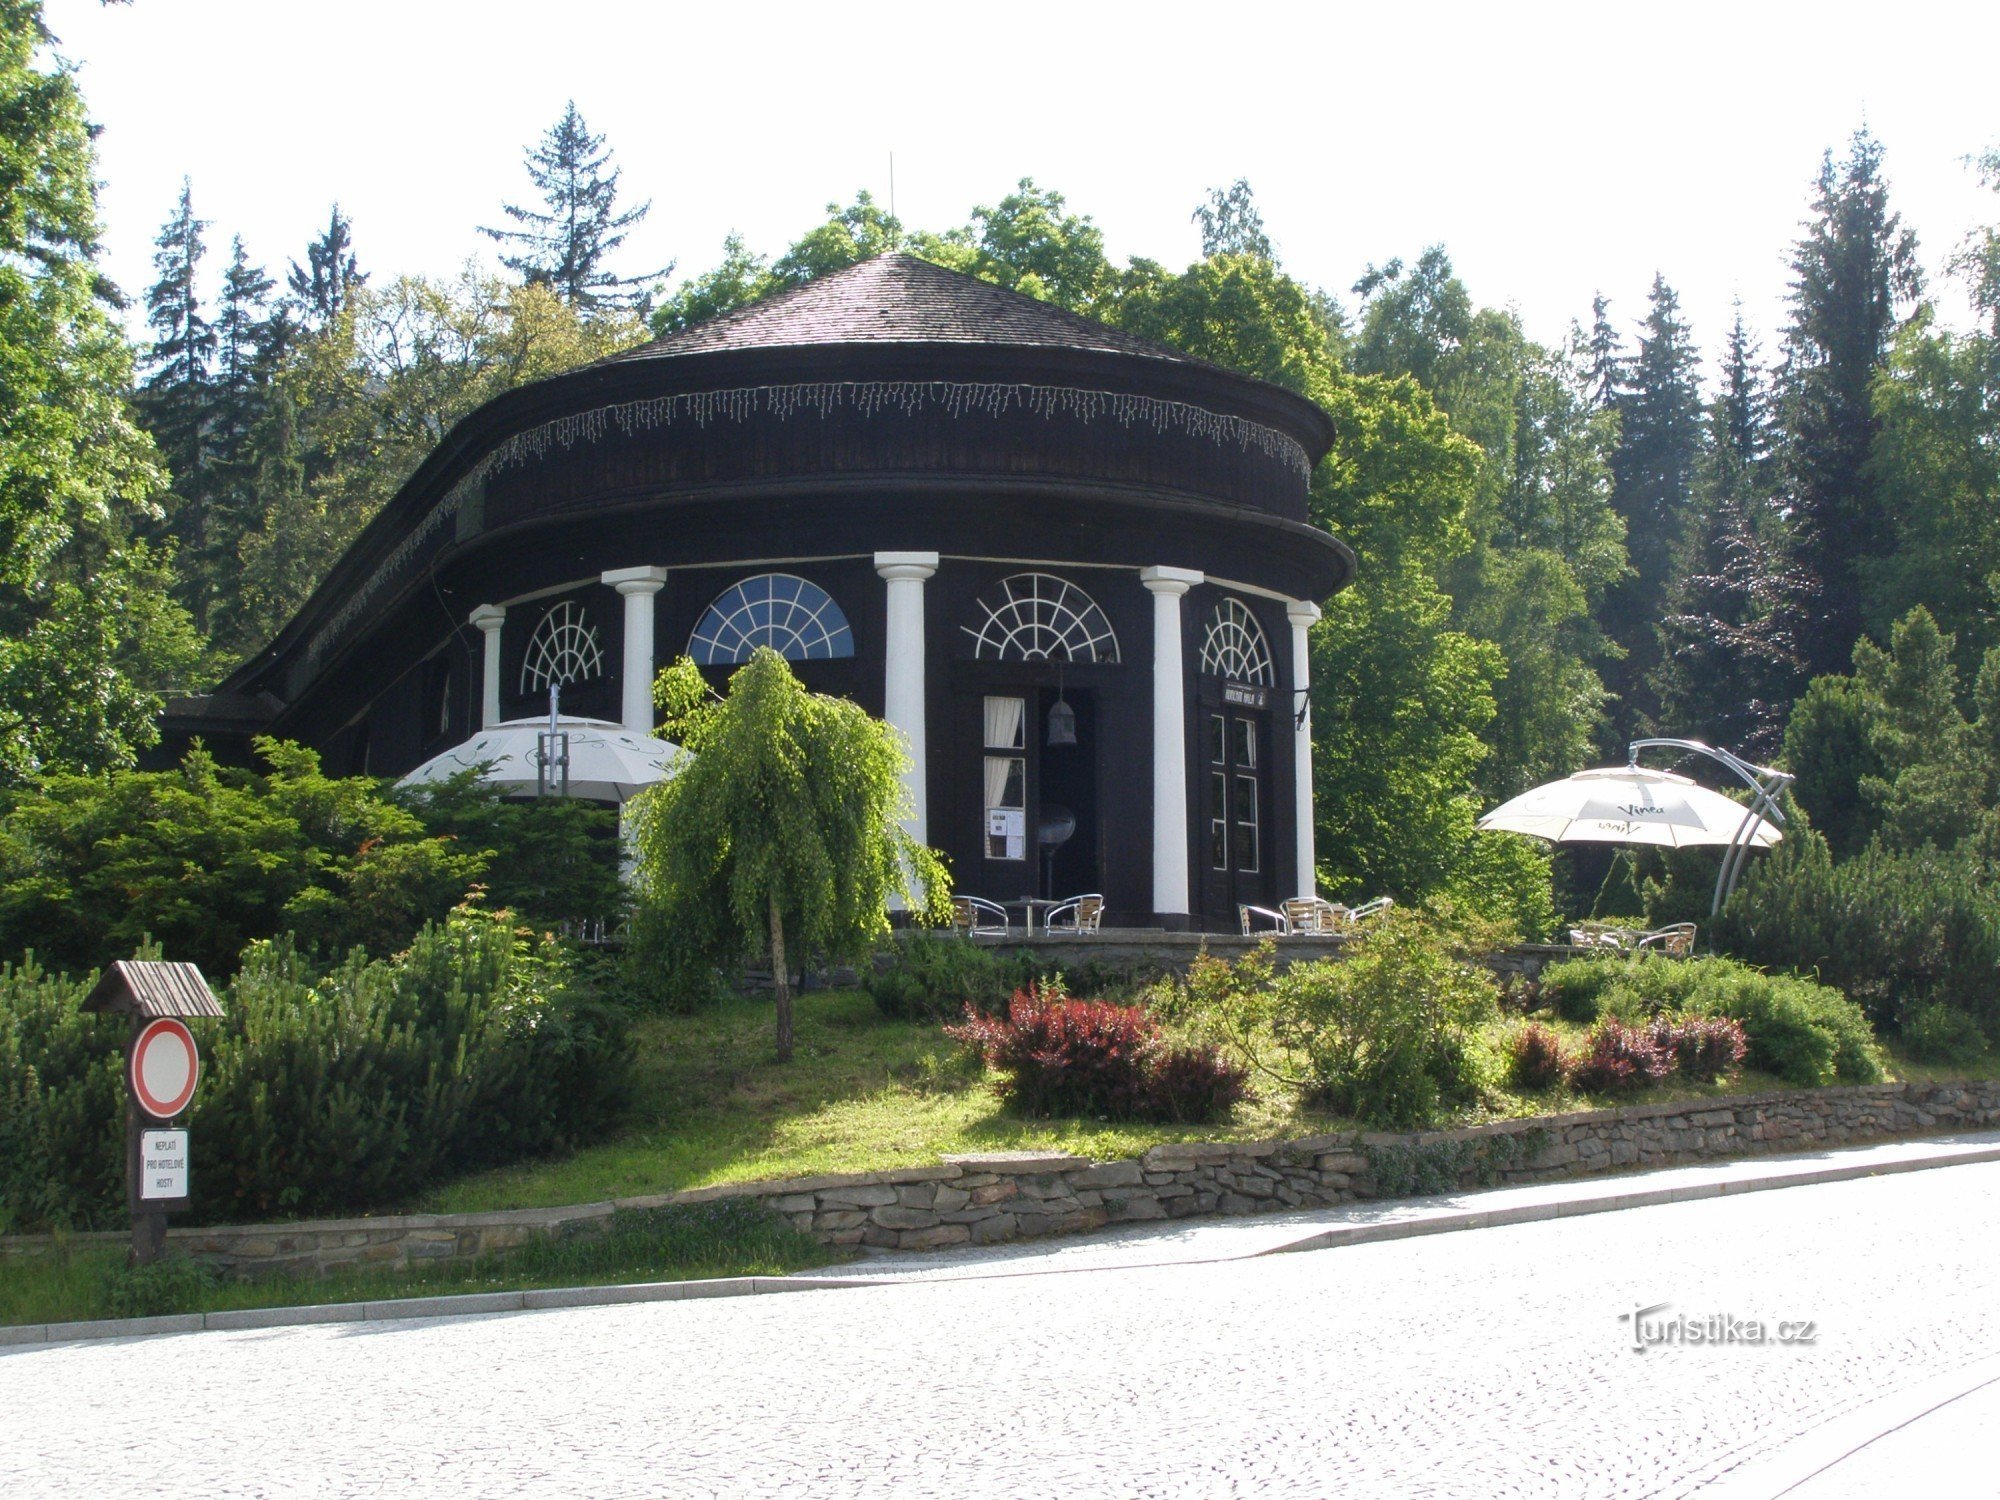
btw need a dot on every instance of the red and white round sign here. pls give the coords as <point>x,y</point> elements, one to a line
<point>165,1068</point>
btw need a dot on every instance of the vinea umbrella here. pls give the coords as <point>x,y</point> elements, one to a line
<point>607,763</point>
<point>1630,805</point>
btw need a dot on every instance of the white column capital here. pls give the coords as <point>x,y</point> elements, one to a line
<point>489,617</point>
<point>630,581</point>
<point>1302,612</point>
<point>1174,581</point>
<point>906,566</point>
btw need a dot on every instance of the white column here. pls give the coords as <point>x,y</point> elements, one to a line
<point>1170,786</point>
<point>903,671</point>
<point>489,618</point>
<point>637,586</point>
<point>1302,615</point>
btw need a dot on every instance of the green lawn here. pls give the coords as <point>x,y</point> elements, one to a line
<point>862,1093</point>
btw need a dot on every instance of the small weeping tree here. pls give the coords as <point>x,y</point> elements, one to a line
<point>783,835</point>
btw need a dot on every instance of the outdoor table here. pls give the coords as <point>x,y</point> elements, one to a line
<point>1029,906</point>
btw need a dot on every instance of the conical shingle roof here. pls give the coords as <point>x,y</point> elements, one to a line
<point>899,299</point>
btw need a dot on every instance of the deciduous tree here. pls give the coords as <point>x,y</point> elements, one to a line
<point>783,835</point>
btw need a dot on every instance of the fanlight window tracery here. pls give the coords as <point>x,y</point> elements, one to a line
<point>563,649</point>
<point>1040,617</point>
<point>796,619</point>
<point>1233,646</point>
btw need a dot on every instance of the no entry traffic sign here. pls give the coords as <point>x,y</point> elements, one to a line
<point>165,1068</point>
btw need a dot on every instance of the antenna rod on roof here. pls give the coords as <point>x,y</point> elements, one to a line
<point>892,184</point>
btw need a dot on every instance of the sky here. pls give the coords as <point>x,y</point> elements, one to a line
<point>1554,150</point>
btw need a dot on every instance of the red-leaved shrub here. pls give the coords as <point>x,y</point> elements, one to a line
<point>1060,1056</point>
<point>1535,1059</point>
<point>1620,1059</point>
<point>1704,1048</point>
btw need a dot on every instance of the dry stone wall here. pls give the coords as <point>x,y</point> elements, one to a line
<point>987,1199</point>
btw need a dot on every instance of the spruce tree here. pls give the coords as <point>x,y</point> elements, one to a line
<point>1729,641</point>
<point>1653,472</point>
<point>326,283</point>
<point>566,245</point>
<point>175,398</point>
<point>1605,352</point>
<point>246,354</point>
<point>1853,268</point>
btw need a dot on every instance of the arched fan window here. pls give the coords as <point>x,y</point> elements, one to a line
<point>564,649</point>
<point>1040,617</point>
<point>1233,646</point>
<point>796,619</point>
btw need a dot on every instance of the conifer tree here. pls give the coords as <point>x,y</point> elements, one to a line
<point>1605,352</point>
<point>1653,470</point>
<point>1853,268</point>
<point>1729,642</point>
<point>324,285</point>
<point>566,245</point>
<point>175,395</point>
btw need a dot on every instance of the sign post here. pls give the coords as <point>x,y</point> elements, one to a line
<point>162,1067</point>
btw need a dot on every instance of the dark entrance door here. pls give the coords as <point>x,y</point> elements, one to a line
<point>1235,810</point>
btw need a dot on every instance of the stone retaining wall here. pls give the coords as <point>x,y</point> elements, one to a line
<point>990,1198</point>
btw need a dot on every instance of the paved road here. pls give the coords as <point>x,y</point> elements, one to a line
<point>1485,1363</point>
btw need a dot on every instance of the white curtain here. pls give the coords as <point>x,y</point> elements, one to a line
<point>997,769</point>
<point>1003,728</point>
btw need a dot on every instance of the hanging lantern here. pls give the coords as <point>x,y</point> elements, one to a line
<point>1062,718</point>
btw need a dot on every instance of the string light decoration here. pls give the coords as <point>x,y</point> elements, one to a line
<point>867,398</point>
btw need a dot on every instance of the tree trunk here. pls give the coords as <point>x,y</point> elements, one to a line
<point>781,979</point>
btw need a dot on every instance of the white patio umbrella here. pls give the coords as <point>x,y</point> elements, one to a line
<point>1630,805</point>
<point>607,762</point>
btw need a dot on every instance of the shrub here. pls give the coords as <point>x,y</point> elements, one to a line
<point>1620,1059</point>
<point>1704,1049</point>
<point>1804,1033</point>
<point>1938,1034</point>
<point>1574,990</point>
<point>1536,1061</point>
<point>1090,1058</point>
<point>323,1090</point>
<point>205,859</point>
<point>926,977</point>
<point>1892,930</point>
<point>1388,1034</point>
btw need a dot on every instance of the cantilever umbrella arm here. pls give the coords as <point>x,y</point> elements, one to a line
<point>1765,785</point>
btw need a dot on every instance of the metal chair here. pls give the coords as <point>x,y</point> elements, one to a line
<point>1313,916</point>
<point>1249,916</point>
<point>1676,939</point>
<point>975,914</point>
<point>1368,910</point>
<point>1077,914</point>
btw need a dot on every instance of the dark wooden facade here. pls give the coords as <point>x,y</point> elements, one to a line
<point>891,408</point>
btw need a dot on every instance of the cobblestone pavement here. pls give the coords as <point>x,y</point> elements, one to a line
<point>1486,1363</point>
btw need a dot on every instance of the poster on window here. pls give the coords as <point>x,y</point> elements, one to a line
<point>1006,833</point>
